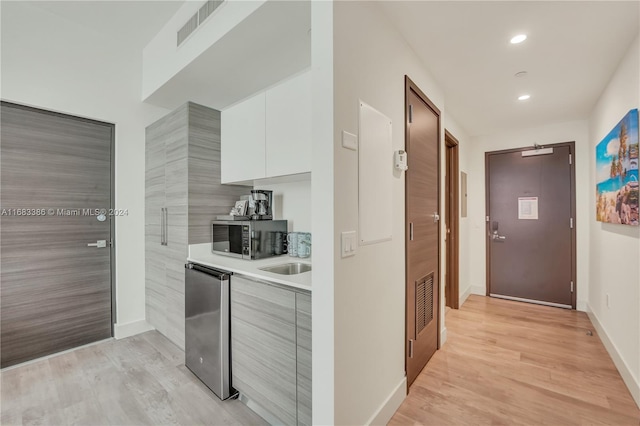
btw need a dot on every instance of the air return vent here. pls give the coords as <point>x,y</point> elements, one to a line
<point>192,24</point>
<point>424,302</point>
<point>207,9</point>
<point>187,29</point>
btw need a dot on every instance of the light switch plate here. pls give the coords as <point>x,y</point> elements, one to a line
<point>349,243</point>
<point>349,141</point>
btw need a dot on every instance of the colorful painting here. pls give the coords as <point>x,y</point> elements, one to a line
<point>617,173</point>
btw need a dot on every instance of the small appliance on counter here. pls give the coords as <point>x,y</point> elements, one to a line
<point>263,202</point>
<point>253,239</point>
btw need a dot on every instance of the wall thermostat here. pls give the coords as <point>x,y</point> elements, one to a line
<point>401,160</point>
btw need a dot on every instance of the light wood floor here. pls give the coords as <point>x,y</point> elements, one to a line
<point>140,380</point>
<point>515,363</point>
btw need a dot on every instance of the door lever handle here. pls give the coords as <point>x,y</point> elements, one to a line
<point>98,244</point>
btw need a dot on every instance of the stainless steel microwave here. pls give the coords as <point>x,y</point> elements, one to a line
<point>255,239</point>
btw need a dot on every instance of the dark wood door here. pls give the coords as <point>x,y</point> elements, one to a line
<point>55,289</point>
<point>422,232</point>
<point>451,217</point>
<point>530,228</point>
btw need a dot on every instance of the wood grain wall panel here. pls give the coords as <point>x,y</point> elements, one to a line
<point>263,344</point>
<point>303,357</point>
<point>55,291</point>
<point>183,176</point>
<point>207,197</point>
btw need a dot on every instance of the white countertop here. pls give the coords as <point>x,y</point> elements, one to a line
<point>201,253</point>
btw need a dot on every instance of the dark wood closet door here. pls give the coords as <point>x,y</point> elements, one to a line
<point>422,238</point>
<point>55,289</point>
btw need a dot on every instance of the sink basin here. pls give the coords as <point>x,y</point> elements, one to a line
<point>288,268</point>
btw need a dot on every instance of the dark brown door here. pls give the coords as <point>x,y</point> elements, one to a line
<point>55,288</point>
<point>422,232</point>
<point>451,215</point>
<point>531,225</point>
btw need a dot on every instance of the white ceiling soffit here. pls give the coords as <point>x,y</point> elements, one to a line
<point>271,44</point>
<point>572,50</point>
<point>135,22</point>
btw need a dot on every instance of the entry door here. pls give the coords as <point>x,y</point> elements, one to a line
<point>530,227</point>
<point>55,287</point>
<point>422,232</point>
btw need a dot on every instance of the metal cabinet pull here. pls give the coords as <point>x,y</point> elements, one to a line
<point>166,226</point>
<point>162,226</point>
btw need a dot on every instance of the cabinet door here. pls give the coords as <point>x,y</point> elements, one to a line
<point>288,127</point>
<point>243,127</point>
<point>303,320</point>
<point>263,346</point>
<point>155,284</point>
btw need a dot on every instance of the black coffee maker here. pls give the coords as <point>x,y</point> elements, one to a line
<point>262,200</point>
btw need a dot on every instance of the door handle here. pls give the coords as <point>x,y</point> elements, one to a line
<point>436,217</point>
<point>98,244</point>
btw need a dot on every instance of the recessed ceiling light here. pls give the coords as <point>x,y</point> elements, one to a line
<point>523,97</point>
<point>518,39</point>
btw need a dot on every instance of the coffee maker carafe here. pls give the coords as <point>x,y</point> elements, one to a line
<point>262,200</point>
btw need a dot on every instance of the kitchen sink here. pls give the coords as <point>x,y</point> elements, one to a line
<point>288,268</point>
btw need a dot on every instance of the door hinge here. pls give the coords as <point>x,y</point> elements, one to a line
<point>487,220</point>
<point>571,223</point>
<point>410,348</point>
<point>570,159</point>
<point>571,286</point>
<point>410,113</point>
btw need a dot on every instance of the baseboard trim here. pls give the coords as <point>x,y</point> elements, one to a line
<point>390,405</point>
<point>581,306</point>
<point>120,331</point>
<point>464,296</point>
<point>479,290</point>
<point>632,383</point>
<point>443,337</point>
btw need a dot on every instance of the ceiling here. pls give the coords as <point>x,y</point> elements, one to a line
<point>271,44</point>
<point>573,47</point>
<point>572,50</point>
<point>134,22</point>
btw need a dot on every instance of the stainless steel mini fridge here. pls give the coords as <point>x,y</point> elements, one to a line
<point>207,327</point>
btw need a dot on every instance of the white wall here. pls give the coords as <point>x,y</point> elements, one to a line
<point>322,220</point>
<point>370,62</point>
<point>615,249</point>
<point>163,59</point>
<point>54,64</point>
<point>576,131</point>
<point>291,201</point>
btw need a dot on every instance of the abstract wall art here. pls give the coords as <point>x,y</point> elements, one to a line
<point>617,173</point>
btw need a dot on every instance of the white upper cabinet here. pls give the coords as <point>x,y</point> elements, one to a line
<point>268,135</point>
<point>243,141</point>
<point>288,127</point>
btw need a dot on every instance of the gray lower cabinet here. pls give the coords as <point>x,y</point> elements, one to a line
<point>303,351</point>
<point>183,195</point>
<point>271,349</point>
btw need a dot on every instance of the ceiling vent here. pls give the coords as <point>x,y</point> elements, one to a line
<point>196,20</point>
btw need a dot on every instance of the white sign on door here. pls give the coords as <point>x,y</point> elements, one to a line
<point>528,208</point>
